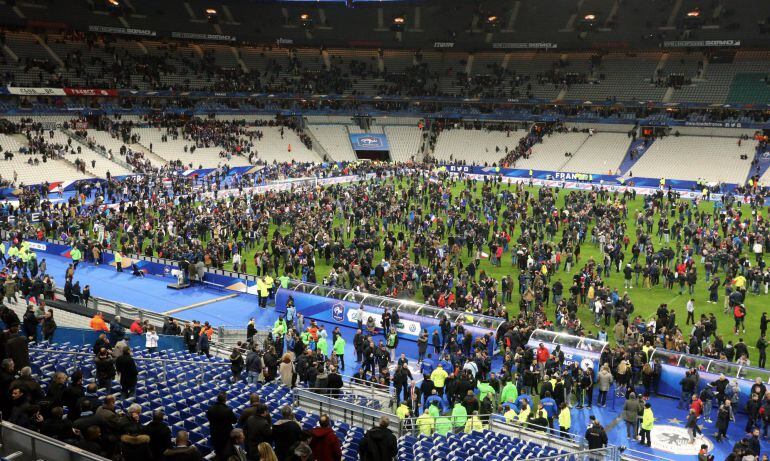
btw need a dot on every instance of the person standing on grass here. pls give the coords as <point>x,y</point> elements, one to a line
<point>690,312</point>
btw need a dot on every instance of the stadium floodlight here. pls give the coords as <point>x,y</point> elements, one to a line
<point>398,23</point>
<point>693,14</point>
<point>115,3</point>
<point>492,19</point>
<point>305,20</point>
<point>211,11</point>
<point>590,17</point>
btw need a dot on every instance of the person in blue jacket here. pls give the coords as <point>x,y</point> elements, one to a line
<point>524,396</point>
<point>427,366</point>
<point>550,406</point>
<point>446,364</point>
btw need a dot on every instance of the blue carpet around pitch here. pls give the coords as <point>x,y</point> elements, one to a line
<point>668,437</point>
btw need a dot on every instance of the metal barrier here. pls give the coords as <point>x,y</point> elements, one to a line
<point>385,396</point>
<point>200,377</point>
<point>26,445</point>
<point>339,410</point>
<point>574,446</point>
<point>538,434</point>
<point>629,454</point>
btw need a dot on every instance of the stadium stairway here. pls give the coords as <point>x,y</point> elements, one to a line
<point>762,156</point>
<point>640,149</point>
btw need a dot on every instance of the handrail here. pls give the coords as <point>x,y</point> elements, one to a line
<point>630,454</point>
<point>523,431</point>
<point>17,438</point>
<point>396,303</point>
<point>145,359</point>
<point>340,409</point>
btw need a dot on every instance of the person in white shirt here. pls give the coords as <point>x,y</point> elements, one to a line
<point>690,312</point>
<point>151,339</point>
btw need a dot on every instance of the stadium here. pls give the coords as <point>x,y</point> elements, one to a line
<point>412,230</point>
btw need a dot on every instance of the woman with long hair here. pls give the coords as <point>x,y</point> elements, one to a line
<point>266,452</point>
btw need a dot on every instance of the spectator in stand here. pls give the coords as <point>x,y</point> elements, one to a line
<point>324,443</point>
<point>379,443</point>
<point>221,419</point>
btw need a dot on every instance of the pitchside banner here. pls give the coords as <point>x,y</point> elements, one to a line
<point>369,141</point>
<point>585,181</point>
<point>345,313</point>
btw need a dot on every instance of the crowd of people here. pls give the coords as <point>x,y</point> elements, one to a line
<point>409,233</point>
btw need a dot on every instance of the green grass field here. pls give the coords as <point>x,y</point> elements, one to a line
<point>646,301</point>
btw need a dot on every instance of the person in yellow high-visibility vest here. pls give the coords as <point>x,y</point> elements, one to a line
<point>403,410</point>
<point>425,423</point>
<point>264,292</point>
<point>474,423</point>
<point>118,261</point>
<point>269,282</point>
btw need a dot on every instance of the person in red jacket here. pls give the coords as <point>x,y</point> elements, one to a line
<point>697,405</point>
<point>136,327</point>
<point>325,444</point>
<point>542,355</point>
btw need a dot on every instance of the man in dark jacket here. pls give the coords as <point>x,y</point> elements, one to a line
<point>160,434</point>
<point>379,443</point>
<point>258,429</point>
<point>286,432</point>
<point>7,376</point>
<point>182,451</point>
<point>117,331</point>
<point>595,435</point>
<point>126,366</point>
<point>17,348</point>
<point>221,419</point>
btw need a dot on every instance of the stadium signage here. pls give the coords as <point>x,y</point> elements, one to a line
<point>284,41</point>
<point>559,176</point>
<point>89,92</point>
<point>29,91</point>
<point>526,45</point>
<point>122,31</point>
<point>676,440</point>
<point>194,36</point>
<point>700,43</point>
<point>714,124</point>
<point>443,45</point>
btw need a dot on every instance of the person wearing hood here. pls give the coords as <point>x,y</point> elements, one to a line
<point>379,443</point>
<point>324,442</point>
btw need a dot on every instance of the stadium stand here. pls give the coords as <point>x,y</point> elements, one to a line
<point>19,168</point>
<point>405,142</point>
<point>601,152</point>
<point>710,158</point>
<point>475,147</point>
<point>335,140</point>
<point>550,154</point>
